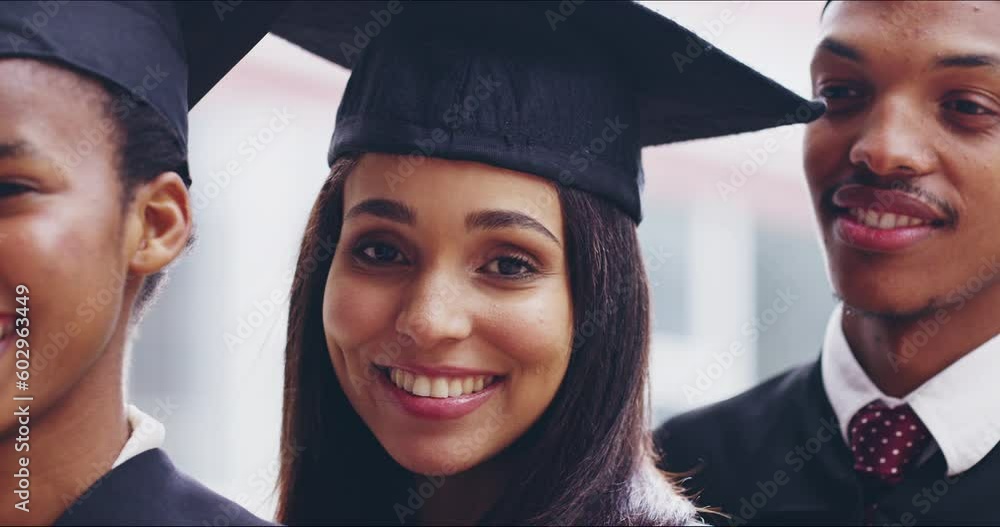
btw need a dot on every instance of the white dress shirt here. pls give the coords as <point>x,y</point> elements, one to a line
<point>960,405</point>
<point>145,433</point>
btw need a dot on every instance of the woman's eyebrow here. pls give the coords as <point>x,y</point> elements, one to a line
<point>502,219</point>
<point>384,208</point>
<point>20,149</point>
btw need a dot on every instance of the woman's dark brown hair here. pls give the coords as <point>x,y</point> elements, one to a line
<point>589,458</point>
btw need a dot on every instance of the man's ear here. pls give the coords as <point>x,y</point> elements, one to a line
<point>159,224</point>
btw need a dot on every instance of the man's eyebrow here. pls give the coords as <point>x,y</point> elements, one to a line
<point>841,49</point>
<point>502,219</point>
<point>968,60</point>
<point>384,208</point>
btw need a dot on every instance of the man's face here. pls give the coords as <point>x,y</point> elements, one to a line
<point>904,168</point>
<point>61,222</point>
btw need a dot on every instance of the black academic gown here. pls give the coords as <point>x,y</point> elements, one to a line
<point>774,455</point>
<point>149,490</point>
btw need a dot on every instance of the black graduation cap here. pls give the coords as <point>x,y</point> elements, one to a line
<point>165,54</point>
<point>565,90</point>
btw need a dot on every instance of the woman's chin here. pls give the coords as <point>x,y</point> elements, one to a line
<point>434,458</point>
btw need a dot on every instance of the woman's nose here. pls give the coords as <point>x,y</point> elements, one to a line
<point>433,311</point>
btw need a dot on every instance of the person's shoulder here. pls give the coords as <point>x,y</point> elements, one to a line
<point>190,501</point>
<point>149,490</point>
<point>739,422</point>
<point>749,407</point>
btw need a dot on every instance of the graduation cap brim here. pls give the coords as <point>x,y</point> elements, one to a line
<point>686,88</point>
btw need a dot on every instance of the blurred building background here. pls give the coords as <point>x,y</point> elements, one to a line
<point>739,287</point>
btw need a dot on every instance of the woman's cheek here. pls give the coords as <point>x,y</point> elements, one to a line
<point>356,312</point>
<point>537,336</point>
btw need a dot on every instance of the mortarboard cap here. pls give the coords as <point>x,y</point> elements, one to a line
<point>165,54</point>
<point>567,91</point>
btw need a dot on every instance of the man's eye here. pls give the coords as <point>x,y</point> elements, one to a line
<point>838,92</point>
<point>842,98</point>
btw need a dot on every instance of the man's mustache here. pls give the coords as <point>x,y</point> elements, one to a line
<point>906,186</point>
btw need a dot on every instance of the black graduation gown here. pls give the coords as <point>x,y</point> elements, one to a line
<point>774,455</point>
<point>149,490</point>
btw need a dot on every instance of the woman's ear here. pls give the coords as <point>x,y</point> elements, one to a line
<point>159,224</point>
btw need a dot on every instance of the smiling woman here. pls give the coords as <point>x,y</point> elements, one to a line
<point>476,350</point>
<point>450,337</point>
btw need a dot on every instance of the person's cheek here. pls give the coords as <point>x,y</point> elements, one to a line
<point>70,266</point>
<point>535,334</point>
<point>359,322</point>
<point>818,152</point>
<point>531,333</point>
<point>355,310</point>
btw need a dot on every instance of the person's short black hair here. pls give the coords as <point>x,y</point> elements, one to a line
<point>147,147</point>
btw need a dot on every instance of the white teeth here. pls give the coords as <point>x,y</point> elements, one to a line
<point>887,221</point>
<point>439,387</point>
<point>421,386</point>
<point>871,218</point>
<point>455,388</point>
<point>884,220</point>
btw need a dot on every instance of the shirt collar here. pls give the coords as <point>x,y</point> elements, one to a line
<point>145,433</point>
<point>960,405</point>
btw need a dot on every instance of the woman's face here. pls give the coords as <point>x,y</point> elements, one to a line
<point>447,309</point>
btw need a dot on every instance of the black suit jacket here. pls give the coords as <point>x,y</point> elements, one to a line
<point>149,490</point>
<point>774,455</point>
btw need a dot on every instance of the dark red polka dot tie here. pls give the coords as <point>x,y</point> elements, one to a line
<point>885,441</point>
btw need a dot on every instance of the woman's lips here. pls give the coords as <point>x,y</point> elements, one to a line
<point>439,397</point>
<point>886,221</point>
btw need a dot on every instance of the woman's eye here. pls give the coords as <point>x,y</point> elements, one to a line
<point>966,107</point>
<point>380,253</point>
<point>12,189</point>
<point>511,267</point>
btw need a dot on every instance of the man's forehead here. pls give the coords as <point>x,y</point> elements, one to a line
<point>914,28</point>
<point>912,15</point>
